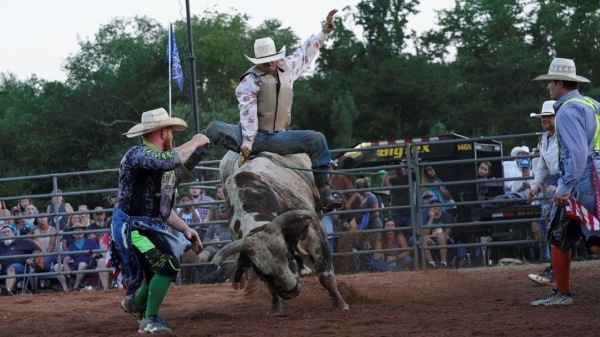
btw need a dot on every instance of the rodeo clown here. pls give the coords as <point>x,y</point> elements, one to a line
<point>141,245</point>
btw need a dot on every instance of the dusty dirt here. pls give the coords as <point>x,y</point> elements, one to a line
<point>463,302</point>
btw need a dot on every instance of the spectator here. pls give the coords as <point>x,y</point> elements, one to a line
<point>522,186</point>
<point>341,182</point>
<point>20,222</point>
<point>511,168</point>
<point>48,243</point>
<point>23,205</point>
<point>213,213</point>
<point>400,197</point>
<point>4,213</point>
<point>439,235</point>
<point>369,200</point>
<point>187,213</point>
<point>67,240</point>
<point>104,244</point>
<point>31,211</point>
<point>98,223</point>
<point>85,217</point>
<point>217,232</point>
<point>79,261</point>
<point>441,192</point>
<point>198,196</point>
<point>483,172</point>
<point>14,266</point>
<point>63,207</point>
<point>390,261</point>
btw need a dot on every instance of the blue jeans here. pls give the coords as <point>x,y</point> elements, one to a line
<point>404,220</point>
<point>394,266</point>
<point>19,269</point>
<point>283,142</point>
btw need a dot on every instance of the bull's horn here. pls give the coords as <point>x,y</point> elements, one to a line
<point>284,219</point>
<point>230,249</point>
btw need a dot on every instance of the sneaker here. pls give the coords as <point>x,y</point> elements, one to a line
<point>545,278</point>
<point>431,265</point>
<point>444,264</point>
<point>153,324</point>
<point>555,298</point>
<point>136,311</point>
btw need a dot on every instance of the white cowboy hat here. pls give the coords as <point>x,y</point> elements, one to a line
<point>155,120</point>
<point>547,110</point>
<point>516,150</point>
<point>562,70</point>
<point>264,51</point>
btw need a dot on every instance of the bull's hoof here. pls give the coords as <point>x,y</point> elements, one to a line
<point>275,312</point>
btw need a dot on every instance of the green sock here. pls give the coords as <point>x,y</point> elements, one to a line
<point>158,288</point>
<point>141,297</point>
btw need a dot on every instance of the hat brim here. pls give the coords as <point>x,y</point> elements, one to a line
<point>535,115</point>
<point>577,78</point>
<point>267,59</point>
<point>176,123</point>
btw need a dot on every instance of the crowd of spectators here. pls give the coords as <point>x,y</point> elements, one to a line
<point>80,251</point>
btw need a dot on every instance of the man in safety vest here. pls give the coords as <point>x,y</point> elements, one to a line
<point>576,128</point>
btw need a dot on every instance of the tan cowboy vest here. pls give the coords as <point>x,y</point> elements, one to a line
<point>274,112</point>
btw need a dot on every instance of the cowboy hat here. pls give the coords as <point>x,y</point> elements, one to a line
<point>547,110</point>
<point>516,150</point>
<point>153,120</point>
<point>264,51</point>
<point>562,70</point>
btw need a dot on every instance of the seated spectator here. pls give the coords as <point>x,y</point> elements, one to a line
<point>66,240</point>
<point>85,217</point>
<point>522,186</point>
<point>217,232</point>
<point>23,206</point>
<point>98,223</point>
<point>483,172</point>
<point>20,222</point>
<point>511,168</point>
<point>197,196</point>
<point>400,197</point>
<point>439,235</point>
<point>4,213</point>
<point>48,243</point>
<point>78,261</point>
<point>390,261</point>
<point>187,212</point>
<point>441,192</point>
<point>369,200</point>
<point>102,263</point>
<point>63,207</point>
<point>213,213</point>
<point>31,211</point>
<point>10,266</point>
<point>341,182</point>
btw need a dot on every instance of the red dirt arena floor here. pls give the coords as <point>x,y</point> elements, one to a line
<point>464,302</point>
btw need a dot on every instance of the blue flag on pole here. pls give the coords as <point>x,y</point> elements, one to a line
<point>176,71</point>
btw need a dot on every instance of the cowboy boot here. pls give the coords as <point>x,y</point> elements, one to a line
<point>328,202</point>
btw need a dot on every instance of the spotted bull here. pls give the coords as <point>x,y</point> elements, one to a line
<point>279,236</point>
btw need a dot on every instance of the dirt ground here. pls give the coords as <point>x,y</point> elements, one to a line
<point>463,302</point>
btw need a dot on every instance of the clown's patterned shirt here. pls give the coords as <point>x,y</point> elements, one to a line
<point>137,169</point>
<point>247,91</point>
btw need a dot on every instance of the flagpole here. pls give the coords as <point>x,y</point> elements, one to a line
<point>170,65</point>
<point>192,69</point>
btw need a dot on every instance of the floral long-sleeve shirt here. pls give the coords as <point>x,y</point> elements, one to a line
<point>248,89</point>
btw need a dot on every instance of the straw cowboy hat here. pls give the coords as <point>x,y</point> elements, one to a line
<point>77,225</point>
<point>156,119</point>
<point>547,110</point>
<point>516,150</point>
<point>562,70</point>
<point>264,51</point>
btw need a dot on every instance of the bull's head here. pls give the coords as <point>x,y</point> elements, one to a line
<point>269,251</point>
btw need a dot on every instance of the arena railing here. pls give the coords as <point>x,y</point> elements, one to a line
<point>412,166</point>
